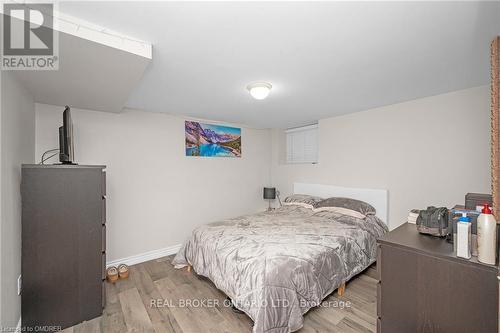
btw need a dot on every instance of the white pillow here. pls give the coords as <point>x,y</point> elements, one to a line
<point>304,200</point>
<point>301,204</point>
<point>341,210</point>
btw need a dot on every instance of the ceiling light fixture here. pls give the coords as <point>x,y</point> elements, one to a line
<point>259,90</point>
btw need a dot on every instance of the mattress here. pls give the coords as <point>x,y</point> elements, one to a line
<point>277,265</point>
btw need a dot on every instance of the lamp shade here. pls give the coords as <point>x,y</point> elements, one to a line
<point>269,193</point>
<point>259,90</point>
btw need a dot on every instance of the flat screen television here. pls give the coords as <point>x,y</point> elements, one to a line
<point>66,148</point>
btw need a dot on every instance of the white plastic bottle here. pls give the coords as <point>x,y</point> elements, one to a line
<point>486,236</point>
<point>464,237</point>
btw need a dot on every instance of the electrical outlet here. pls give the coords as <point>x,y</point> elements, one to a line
<point>19,285</point>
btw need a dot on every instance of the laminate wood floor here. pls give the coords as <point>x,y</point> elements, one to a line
<point>129,305</point>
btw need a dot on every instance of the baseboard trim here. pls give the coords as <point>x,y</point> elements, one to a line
<point>146,256</point>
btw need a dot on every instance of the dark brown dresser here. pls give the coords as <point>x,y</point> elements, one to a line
<point>63,245</point>
<point>424,287</point>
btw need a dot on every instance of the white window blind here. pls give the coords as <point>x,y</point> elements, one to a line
<point>302,144</point>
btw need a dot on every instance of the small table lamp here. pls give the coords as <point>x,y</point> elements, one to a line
<point>269,194</point>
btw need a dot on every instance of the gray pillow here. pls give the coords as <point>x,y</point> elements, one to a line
<point>303,199</point>
<point>347,203</point>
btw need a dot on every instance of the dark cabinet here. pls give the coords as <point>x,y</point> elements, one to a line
<point>63,245</point>
<point>424,287</point>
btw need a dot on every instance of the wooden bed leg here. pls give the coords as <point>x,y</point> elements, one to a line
<point>189,268</point>
<point>341,289</point>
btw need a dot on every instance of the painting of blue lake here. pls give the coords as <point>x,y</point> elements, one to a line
<point>211,140</point>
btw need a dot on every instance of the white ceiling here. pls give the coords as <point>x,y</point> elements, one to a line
<point>323,58</point>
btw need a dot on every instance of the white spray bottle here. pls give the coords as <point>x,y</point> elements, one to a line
<point>486,236</point>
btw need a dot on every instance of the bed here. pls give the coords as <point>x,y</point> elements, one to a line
<point>277,265</point>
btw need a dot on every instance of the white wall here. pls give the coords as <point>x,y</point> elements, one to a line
<point>156,195</point>
<point>17,147</point>
<point>429,151</point>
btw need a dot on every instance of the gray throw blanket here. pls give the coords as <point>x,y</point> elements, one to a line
<point>277,265</point>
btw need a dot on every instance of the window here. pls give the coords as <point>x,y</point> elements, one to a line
<point>302,144</point>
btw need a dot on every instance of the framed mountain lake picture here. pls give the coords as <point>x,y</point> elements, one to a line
<point>211,140</point>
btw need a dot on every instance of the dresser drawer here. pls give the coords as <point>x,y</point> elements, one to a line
<point>103,210</point>
<point>103,245</point>
<point>379,301</point>
<point>426,288</point>
<point>103,294</point>
<point>103,260</point>
<point>379,262</point>
<point>103,184</point>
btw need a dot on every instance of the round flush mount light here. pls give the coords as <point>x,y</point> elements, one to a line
<point>259,90</point>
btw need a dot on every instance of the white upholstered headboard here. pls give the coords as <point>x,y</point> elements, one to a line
<point>377,198</point>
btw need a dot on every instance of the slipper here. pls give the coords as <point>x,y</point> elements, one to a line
<point>112,274</point>
<point>123,271</point>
